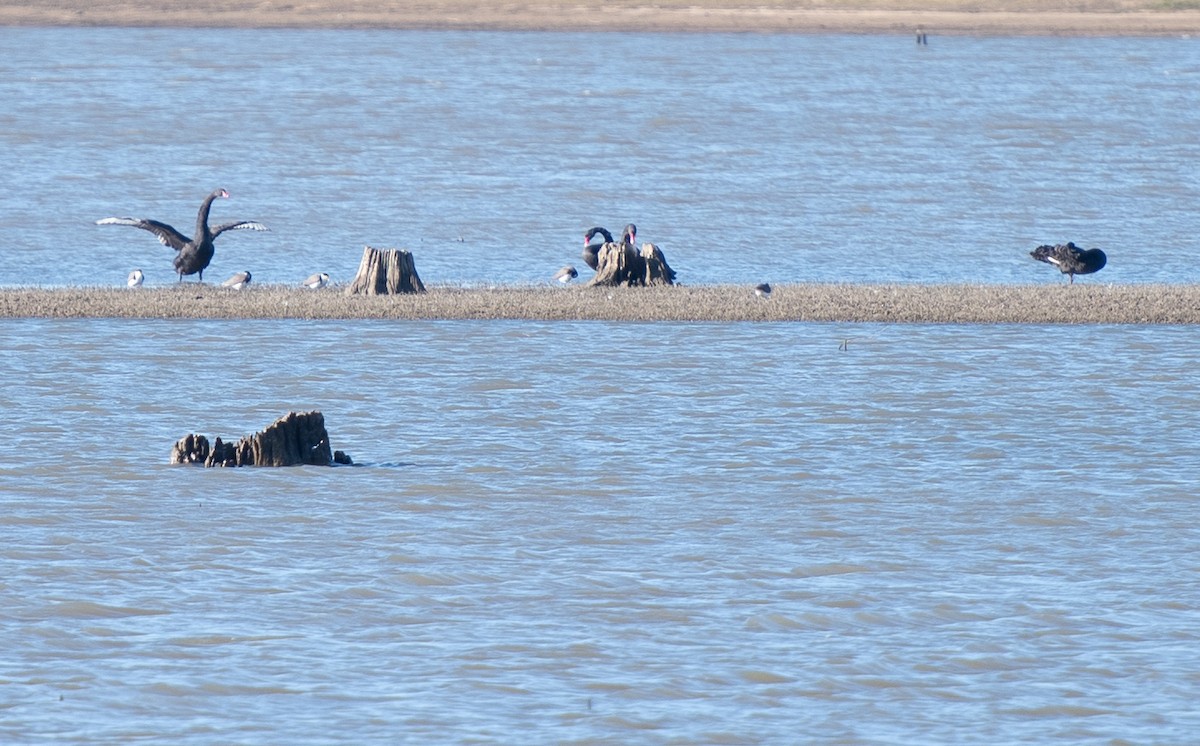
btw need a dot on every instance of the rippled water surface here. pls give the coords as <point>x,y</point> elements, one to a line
<point>603,533</point>
<point>744,157</point>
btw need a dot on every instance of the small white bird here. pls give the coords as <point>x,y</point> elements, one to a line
<point>763,290</point>
<point>316,281</point>
<point>135,279</point>
<point>238,281</point>
<point>566,274</point>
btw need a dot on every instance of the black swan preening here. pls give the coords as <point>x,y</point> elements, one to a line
<point>192,254</point>
<point>1070,259</point>
<point>591,251</point>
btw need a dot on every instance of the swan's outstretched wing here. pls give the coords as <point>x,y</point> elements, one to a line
<point>241,225</point>
<point>167,235</point>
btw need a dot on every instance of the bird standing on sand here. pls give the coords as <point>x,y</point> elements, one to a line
<point>317,281</point>
<point>192,254</point>
<point>566,274</point>
<point>763,290</point>
<point>238,281</point>
<point>591,251</point>
<point>1070,259</point>
<point>135,279</point>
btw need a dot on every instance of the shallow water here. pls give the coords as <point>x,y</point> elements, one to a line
<point>603,533</point>
<point>745,157</point>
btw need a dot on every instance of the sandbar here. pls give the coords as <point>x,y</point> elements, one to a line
<point>1081,303</point>
<point>947,17</point>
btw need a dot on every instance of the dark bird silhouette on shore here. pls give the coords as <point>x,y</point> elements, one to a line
<point>1070,259</point>
<point>763,290</point>
<point>192,254</point>
<point>591,251</point>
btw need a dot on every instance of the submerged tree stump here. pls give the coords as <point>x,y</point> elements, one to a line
<point>620,265</point>
<point>293,440</point>
<point>386,272</point>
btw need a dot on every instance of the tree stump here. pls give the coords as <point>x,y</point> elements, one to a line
<point>386,272</point>
<point>658,272</point>
<point>293,440</point>
<point>620,265</point>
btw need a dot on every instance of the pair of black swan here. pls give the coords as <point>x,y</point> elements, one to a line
<point>591,251</point>
<point>1070,259</point>
<point>192,254</point>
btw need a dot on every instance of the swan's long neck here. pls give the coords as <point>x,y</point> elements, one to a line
<point>202,216</point>
<point>597,231</point>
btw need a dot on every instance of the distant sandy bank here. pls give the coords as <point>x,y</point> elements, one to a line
<point>1082,303</point>
<point>1020,17</point>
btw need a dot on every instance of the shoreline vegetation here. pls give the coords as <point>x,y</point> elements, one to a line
<point>949,17</point>
<point>887,303</point>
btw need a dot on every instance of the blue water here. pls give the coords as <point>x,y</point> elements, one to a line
<point>596,533</point>
<point>744,157</point>
<point>728,533</point>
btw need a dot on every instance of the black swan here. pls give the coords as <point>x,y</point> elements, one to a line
<point>317,281</point>
<point>629,235</point>
<point>591,251</point>
<point>566,274</point>
<point>135,279</point>
<point>763,290</point>
<point>238,281</point>
<point>193,254</point>
<point>1070,259</point>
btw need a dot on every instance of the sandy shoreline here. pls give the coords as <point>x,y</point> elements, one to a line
<point>1085,18</point>
<point>984,304</point>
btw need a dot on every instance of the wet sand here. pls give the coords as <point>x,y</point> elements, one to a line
<point>985,304</point>
<point>1017,17</point>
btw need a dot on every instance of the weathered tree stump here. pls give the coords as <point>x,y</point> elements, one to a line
<point>386,272</point>
<point>620,265</point>
<point>658,272</point>
<point>293,440</point>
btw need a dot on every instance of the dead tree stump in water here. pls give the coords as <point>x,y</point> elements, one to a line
<point>620,265</point>
<point>293,440</point>
<point>386,272</point>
